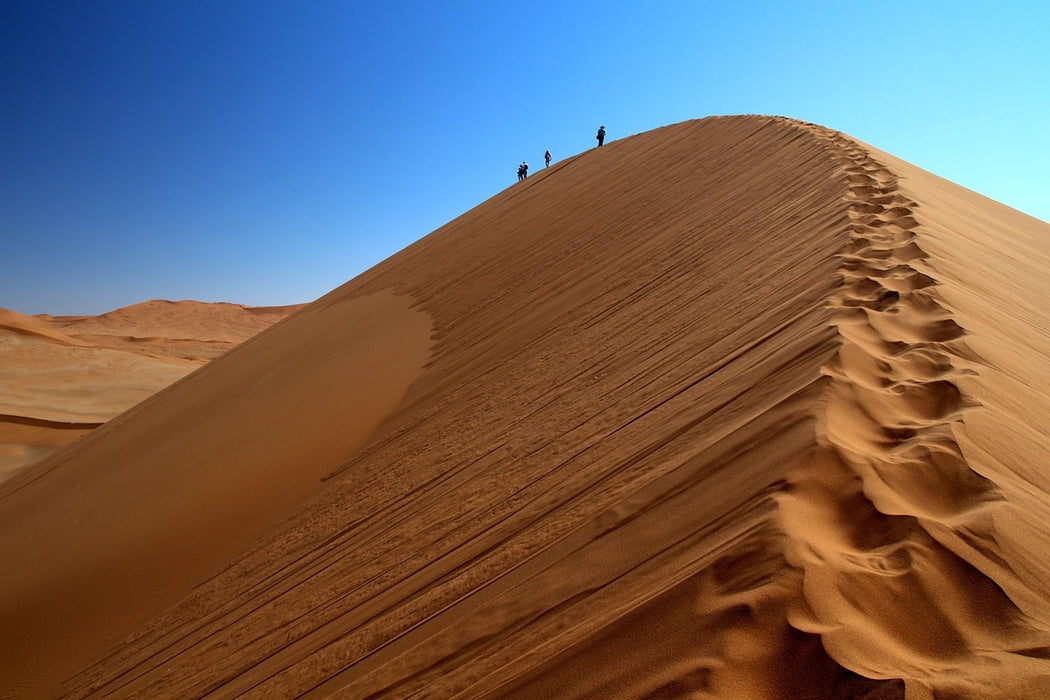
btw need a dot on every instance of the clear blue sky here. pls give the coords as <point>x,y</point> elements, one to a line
<point>265,152</point>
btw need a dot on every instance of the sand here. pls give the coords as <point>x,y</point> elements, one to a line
<point>62,376</point>
<point>739,407</point>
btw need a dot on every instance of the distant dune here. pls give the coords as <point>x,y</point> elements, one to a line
<point>61,376</point>
<point>738,408</point>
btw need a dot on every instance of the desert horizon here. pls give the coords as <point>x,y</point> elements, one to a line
<point>736,407</point>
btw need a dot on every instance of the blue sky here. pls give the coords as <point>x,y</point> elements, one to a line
<point>265,152</point>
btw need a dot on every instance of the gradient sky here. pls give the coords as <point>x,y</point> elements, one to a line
<point>265,152</point>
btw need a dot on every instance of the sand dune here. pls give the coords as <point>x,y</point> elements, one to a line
<point>739,407</point>
<point>61,376</point>
<point>188,329</point>
<point>29,326</point>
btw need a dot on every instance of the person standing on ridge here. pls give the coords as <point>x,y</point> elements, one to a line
<point>601,135</point>
<point>547,158</point>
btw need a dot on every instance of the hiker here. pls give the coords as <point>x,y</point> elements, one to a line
<point>601,135</point>
<point>524,170</point>
<point>547,159</point>
<point>521,173</point>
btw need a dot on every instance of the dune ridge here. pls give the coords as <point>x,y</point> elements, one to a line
<point>724,409</point>
<point>890,494</point>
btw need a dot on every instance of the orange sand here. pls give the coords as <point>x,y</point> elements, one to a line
<point>738,407</point>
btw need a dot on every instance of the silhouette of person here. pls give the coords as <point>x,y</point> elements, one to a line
<point>523,171</point>
<point>547,159</point>
<point>601,135</point>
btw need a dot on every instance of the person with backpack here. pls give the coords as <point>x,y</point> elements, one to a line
<point>601,135</point>
<point>547,159</point>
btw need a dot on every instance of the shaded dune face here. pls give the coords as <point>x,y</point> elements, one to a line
<point>701,417</point>
<point>103,535</point>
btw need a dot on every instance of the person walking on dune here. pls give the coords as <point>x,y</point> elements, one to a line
<point>523,171</point>
<point>547,159</point>
<point>601,135</point>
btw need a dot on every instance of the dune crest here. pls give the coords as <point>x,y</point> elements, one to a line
<point>892,524</point>
<point>724,409</point>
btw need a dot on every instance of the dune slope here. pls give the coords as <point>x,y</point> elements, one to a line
<point>725,408</point>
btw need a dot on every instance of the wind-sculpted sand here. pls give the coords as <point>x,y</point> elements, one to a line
<point>738,407</point>
<point>921,544</point>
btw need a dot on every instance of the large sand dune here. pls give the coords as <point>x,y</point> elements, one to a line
<point>738,407</point>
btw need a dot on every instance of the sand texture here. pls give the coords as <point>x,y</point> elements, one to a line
<point>61,376</point>
<point>736,408</point>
